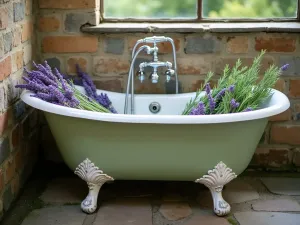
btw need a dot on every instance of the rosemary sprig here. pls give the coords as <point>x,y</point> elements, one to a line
<point>249,90</point>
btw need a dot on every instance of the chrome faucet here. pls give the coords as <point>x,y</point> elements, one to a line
<point>155,64</point>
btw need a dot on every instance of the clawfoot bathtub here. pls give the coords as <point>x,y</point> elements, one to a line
<point>211,149</point>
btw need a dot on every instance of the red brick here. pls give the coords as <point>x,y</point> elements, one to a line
<point>10,170</point>
<point>5,68</point>
<point>296,158</point>
<point>69,44</point>
<point>272,44</point>
<point>17,35</point>
<point>272,157</point>
<point>15,184</point>
<point>48,24</point>
<point>82,62</point>
<point>286,115</point>
<point>103,66</point>
<point>280,85</point>
<point>221,63</point>
<point>17,60</point>
<point>15,136</point>
<point>28,7</point>
<point>3,122</point>
<point>67,4</point>
<point>110,84</point>
<point>237,44</point>
<point>192,66</point>
<point>27,29</point>
<point>285,134</point>
<point>164,47</point>
<point>294,88</point>
<point>3,18</point>
<point>19,160</point>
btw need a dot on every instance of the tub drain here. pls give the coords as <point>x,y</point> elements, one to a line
<point>154,107</point>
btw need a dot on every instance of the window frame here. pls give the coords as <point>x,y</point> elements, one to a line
<point>199,18</point>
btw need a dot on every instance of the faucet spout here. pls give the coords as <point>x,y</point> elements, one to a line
<point>154,64</point>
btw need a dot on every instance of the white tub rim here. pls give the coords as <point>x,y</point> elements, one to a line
<point>281,104</point>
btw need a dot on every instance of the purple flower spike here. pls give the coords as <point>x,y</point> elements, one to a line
<point>248,109</point>
<point>284,67</point>
<point>199,110</point>
<point>88,89</point>
<point>85,77</point>
<point>220,94</point>
<point>234,104</point>
<point>231,88</point>
<point>207,89</point>
<point>34,87</point>
<point>104,100</point>
<point>45,97</point>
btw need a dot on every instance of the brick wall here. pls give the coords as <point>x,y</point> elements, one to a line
<point>107,58</point>
<point>18,123</point>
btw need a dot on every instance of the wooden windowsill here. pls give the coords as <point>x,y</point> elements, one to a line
<point>232,27</point>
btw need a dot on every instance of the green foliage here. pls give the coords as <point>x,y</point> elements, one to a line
<point>249,90</point>
<point>211,8</point>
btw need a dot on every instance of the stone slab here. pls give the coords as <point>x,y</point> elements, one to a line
<point>267,218</point>
<point>277,205</point>
<point>236,191</point>
<point>126,212</point>
<point>207,219</point>
<point>175,210</point>
<point>65,191</point>
<point>60,215</point>
<point>239,191</point>
<point>282,185</point>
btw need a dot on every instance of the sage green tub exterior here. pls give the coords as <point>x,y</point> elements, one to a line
<point>135,148</point>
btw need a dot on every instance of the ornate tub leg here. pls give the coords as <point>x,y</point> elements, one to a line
<point>215,181</point>
<point>95,178</point>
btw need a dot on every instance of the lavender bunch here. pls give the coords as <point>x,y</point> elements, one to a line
<point>53,88</point>
<point>91,90</point>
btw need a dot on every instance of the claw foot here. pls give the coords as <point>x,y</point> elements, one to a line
<point>95,178</point>
<point>215,181</point>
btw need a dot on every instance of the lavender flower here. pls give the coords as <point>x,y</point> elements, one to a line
<point>45,70</point>
<point>104,100</point>
<point>46,97</point>
<point>91,90</point>
<point>85,77</point>
<point>41,76</point>
<point>284,67</point>
<point>234,104</point>
<point>88,89</point>
<point>207,89</point>
<point>220,94</point>
<point>231,88</point>
<point>248,109</point>
<point>199,110</point>
<point>33,86</point>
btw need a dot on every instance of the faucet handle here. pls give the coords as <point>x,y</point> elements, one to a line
<point>169,73</point>
<point>141,75</point>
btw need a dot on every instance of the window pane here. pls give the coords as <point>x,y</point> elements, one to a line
<point>249,8</point>
<point>153,9</point>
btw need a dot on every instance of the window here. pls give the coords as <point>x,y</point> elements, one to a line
<point>199,10</point>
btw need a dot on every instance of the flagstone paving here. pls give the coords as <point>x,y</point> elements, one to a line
<point>254,201</point>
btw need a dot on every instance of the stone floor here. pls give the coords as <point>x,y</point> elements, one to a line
<point>254,201</point>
